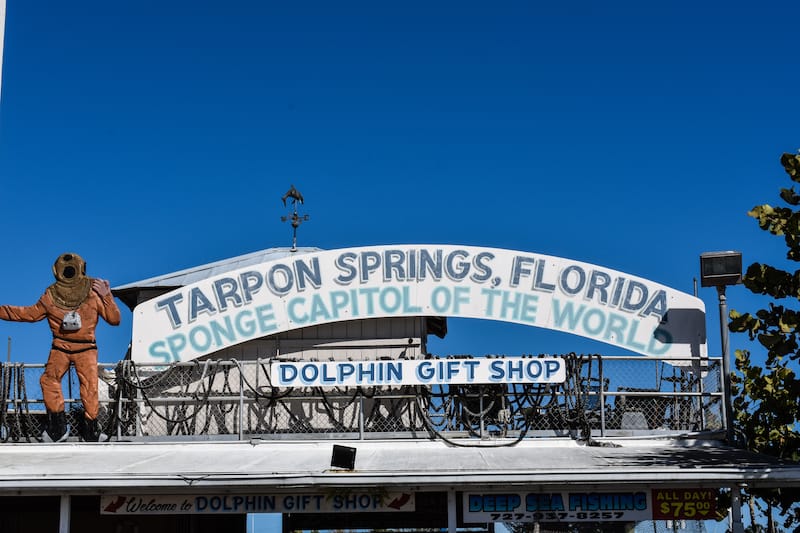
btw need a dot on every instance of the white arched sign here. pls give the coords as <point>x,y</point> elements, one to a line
<point>418,280</point>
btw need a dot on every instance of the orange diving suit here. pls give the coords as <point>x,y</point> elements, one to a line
<point>72,306</point>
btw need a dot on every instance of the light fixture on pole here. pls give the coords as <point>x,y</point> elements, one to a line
<point>720,269</point>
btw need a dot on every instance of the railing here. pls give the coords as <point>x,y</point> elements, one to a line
<point>603,396</point>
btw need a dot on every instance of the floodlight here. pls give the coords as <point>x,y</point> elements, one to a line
<point>720,269</point>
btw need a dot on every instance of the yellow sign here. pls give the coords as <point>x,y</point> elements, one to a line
<point>684,504</point>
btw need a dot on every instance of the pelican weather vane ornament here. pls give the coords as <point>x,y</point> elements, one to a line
<point>296,218</point>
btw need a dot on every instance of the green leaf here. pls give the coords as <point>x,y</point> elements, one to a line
<point>791,164</point>
<point>789,196</point>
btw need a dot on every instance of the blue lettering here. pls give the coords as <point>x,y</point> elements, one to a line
<point>319,312</point>
<point>393,261</point>
<point>471,369</point>
<point>199,303</point>
<point>366,373</point>
<point>636,346</point>
<point>579,278</point>
<point>425,371</point>
<point>600,323</point>
<point>660,343</point>
<point>440,299</point>
<point>250,282</point>
<point>534,368</point>
<point>339,301</point>
<point>567,314</point>
<point>326,378</point>
<point>345,371</point>
<point>288,374</point>
<point>615,331</point>
<point>292,312</point>
<point>552,367</point>
<point>432,265</point>
<point>245,327</point>
<point>457,270</point>
<point>280,279</point>
<point>631,303</point>
<point>370,262</point>
<point>599,281</point>
<point>394,372</point>
<point>370,292</point>
<point>226,289</point>
<point>172,310</point>
<point>475,503</point>
<point>349,272</point>
<point>657,306</point>
<point>490,295</point>
<point>519,269</point>
<point>407,307</point>
<point>617,296</point>
<point>310,274</point>
<point>514,370</point>
<point>390,299</point>
<point>205,343</point>
<point>528,309</point>
<point>157,351</point>
<point>308,374</point>
<point>510,305</point>
<point>266,318</point>
<point>461,297</point>
<point>219,331</point>
<point>538,281</point>
<point>496,371</point>
<point>482,271</point>
<point>176,345</point>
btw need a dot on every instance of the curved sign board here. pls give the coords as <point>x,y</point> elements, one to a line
<point>418,280</point>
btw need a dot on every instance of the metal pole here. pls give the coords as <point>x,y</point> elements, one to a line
<point>727,407</point>
<point>241,400</point>
<point>361,424</point>
<point>736,511</point>
<point>64,514</point>
<point>735,515</point>
<point>602,396</point>
<point>452,520</point>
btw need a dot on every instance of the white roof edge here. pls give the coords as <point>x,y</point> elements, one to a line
<point>423,465</point>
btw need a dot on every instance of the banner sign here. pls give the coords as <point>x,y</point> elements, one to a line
<point>418,280</point>
<point>684,504</point>
<point>484,507</point>
<point>352,502</point>
<point>419,372</point>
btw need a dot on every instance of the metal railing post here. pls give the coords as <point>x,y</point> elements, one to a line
<point>241,400</point>
<point>602,397</point>
<point>361,423</point>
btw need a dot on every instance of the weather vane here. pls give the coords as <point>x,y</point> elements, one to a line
<point>296,219</point>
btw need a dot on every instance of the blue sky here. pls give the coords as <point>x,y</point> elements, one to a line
<point>151,136</point>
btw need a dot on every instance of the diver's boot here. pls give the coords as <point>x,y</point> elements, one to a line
<point>57,426</point>
<point>90,430</point>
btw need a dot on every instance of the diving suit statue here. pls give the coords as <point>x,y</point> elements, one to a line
<point>72,306</point>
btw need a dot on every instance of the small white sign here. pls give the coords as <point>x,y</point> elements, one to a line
<point>419,372</point>
<point>349,502</point>
<point>572,506</point>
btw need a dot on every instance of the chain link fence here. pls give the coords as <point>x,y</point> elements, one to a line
<point>229,399</point>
